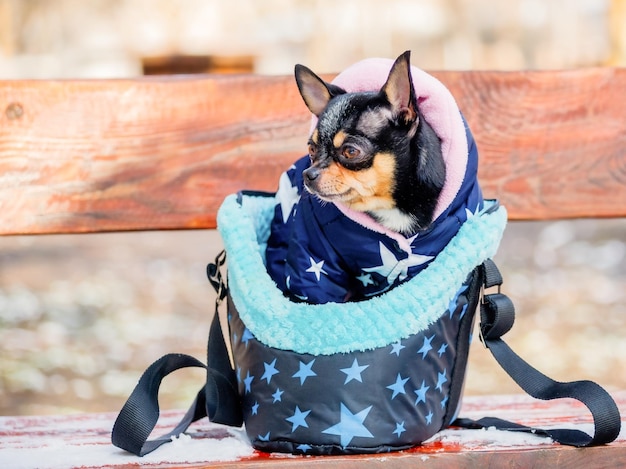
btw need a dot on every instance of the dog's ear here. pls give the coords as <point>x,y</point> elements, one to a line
<point>315,91</point>
<point>399,90</point>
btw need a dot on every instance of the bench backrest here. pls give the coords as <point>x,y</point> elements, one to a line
<point>161,153</point>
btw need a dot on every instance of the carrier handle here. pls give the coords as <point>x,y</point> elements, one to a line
<point>218,398</point>
<point>497,316</point>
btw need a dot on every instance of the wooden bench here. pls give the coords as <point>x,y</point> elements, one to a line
<point>161,153</point>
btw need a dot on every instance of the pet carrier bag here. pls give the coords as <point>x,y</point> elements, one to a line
<point>363,377</point>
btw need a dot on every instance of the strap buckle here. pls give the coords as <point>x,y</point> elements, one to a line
<point>216,278</point>
<point>482,301</point>
<point>497,312</point>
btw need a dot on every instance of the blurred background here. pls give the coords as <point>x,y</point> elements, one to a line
<point>82,316</point>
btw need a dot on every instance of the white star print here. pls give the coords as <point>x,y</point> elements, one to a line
<point>317,268</point>
<point>392,268</point>
<point>366,279</point>
<point>287,196</point>
<point>469,214</point>
<point>412,238</point>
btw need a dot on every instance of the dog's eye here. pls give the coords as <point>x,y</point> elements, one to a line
<point>312,150</point>
<point>350,152</point>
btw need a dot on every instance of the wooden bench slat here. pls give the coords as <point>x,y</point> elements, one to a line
<point>161,153</point>
<point>84,440</point>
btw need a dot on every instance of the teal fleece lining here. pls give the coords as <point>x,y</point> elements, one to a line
<point>343,327</point>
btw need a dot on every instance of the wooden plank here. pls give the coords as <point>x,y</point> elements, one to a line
<point>139,154</point>
<point>161,153</point>
<point>83,440</point>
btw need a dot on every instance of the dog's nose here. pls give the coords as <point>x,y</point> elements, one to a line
<point>311,174</point>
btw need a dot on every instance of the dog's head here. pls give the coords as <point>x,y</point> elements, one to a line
<point>363,143</point>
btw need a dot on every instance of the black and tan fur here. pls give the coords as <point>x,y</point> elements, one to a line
<point>374,151</point>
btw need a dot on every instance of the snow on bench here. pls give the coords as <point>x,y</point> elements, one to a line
<point>83,440</point>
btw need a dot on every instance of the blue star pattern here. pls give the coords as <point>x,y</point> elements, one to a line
<point>444,401</point>
<point>305,371</point>
<point>397,347</point>
<point>354,372</point>
<point>298,419</point>
<point>248,381</point>
<point>421,393</point>
<point>399,429</point>
<point>270,370</point>
<point>441,380</point>
<point>246,336</point>
<point>390,397</point>
<point>350,425</point>
<point>426,347</point>
<point>455,304</point>
<point>398,386</point>
<point>278,396</point>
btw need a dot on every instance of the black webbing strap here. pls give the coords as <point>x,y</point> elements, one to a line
<point>217,399</point>
<point>497,316</point>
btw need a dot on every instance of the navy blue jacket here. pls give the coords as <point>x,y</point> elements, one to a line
<point>317,254</point>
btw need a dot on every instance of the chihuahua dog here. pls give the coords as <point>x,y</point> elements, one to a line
<point>372,153</point>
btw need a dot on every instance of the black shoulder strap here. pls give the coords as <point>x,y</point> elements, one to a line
<point>497,315</point>
<point>217,399</point>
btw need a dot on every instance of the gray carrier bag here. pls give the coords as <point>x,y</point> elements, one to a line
<point>373,376</point>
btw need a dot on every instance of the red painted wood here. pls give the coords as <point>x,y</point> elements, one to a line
<point>84,439</point>
<point>161,153</point>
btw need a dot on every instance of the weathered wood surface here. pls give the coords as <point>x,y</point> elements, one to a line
<point>83,441</point>
<point>161,153</point>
